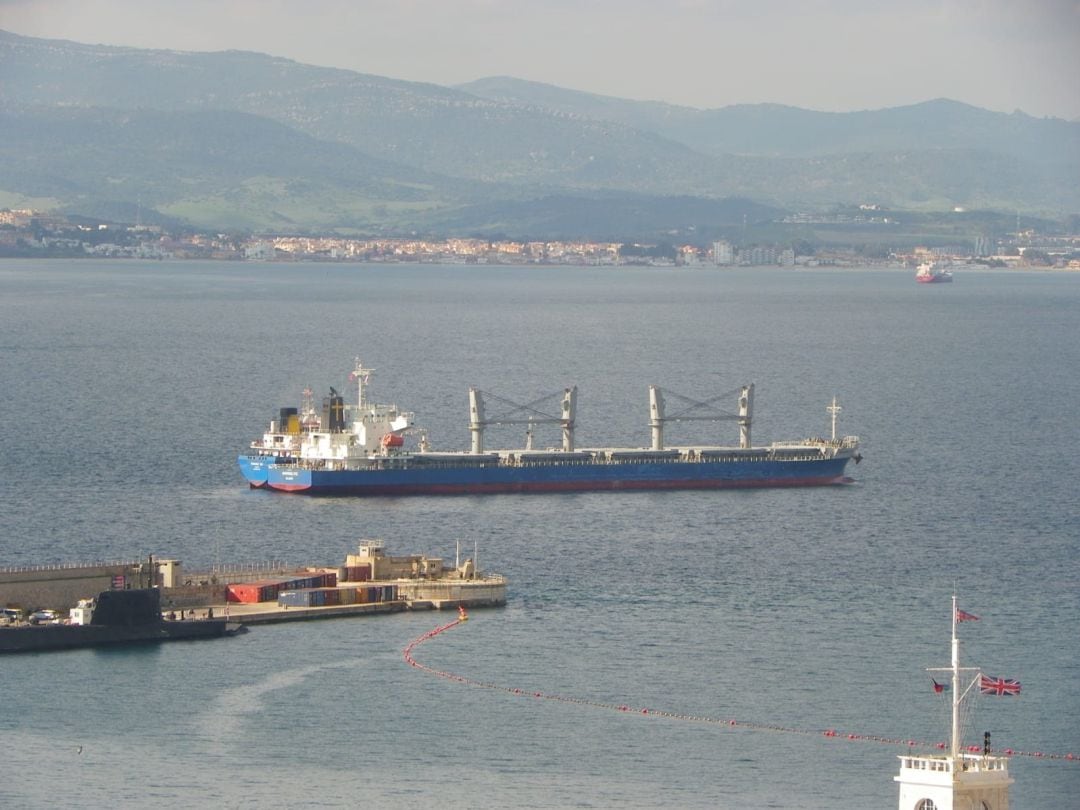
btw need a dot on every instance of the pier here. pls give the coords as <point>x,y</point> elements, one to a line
<point>371,582</point>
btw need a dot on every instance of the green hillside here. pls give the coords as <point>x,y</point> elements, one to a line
<point>246,140</point>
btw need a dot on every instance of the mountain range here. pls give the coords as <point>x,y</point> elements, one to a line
<point>240,140</point>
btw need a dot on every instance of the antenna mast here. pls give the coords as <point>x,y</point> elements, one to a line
<point>959,691</point>
<point>953,779</point>
<point>954,742</point>
<point>834,409</point>
<point>361,375</point>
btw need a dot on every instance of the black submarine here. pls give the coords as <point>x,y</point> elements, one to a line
<point>118,617</point>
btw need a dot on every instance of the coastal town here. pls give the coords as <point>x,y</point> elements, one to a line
<point>31,234</point>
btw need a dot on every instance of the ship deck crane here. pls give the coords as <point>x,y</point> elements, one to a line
<point>696,411</point>
<point>527,414</point>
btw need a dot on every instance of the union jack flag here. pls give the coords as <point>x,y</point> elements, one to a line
<point>998,686</point>
<point>964,616</point>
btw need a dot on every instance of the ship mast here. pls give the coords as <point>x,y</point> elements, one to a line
<point>834,410</point>
<point>361,375</point>
<point>954,780</point>
<point>309,419</point>
<point>958,693</point>
<point>954,741</point>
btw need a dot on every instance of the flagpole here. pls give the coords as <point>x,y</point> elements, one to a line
<point>955,742</point>
<point>961,780</point>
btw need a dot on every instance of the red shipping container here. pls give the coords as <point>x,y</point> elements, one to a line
<point>250,592</point>
<point>358,573</point>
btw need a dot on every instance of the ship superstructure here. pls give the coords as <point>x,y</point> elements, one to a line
<point>341,436</point>
<point>361,450</point>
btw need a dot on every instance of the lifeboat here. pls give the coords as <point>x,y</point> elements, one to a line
<point>393,440</point>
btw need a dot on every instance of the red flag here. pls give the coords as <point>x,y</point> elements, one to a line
<point>998,686</point>
<point>964,616</point>
<point>940,687</point>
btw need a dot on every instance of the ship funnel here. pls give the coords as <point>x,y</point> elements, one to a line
<point>476,420</point>
<point>288,421</point>
<point>569,412</point>
<point>656,417</point>
<point>746,409</point>
<point>334,412</point>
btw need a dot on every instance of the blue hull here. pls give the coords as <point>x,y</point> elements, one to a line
<point>570,477</point>
<point>256,469</point>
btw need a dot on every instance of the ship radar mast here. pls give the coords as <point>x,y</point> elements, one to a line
<point>309,418</point>
<point>361,376</point>
<point>834,411</point>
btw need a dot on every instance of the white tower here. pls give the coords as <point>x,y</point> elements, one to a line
<point>955,780</point>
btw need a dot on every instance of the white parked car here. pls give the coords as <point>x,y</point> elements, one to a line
<point>44,617</point>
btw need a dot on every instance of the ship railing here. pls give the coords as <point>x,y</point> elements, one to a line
<point>838,444</point>
<point>945,764</point>
<point>243,571</point>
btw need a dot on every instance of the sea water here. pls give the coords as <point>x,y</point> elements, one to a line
<point>129,388</point>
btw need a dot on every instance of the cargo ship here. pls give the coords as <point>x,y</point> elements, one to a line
<point>115,618</point>
<point>373,449</point>
<point>933,273</point>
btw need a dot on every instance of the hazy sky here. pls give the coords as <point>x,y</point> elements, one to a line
<point>820,54</point>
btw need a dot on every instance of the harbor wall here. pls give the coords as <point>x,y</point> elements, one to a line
<point>192,596</point>
<point>418,579</point>
<point>61,587</point>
